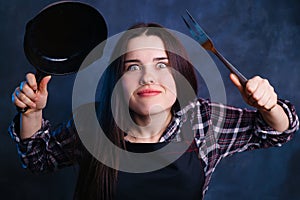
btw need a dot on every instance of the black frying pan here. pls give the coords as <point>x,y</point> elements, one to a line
<point>60,36</point>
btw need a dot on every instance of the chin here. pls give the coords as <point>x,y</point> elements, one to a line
<point>147,110</point>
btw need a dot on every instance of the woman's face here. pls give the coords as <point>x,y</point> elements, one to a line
<point>147,82</point>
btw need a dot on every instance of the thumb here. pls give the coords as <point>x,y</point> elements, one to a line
<point>235,80</point>
<point>43,84</point>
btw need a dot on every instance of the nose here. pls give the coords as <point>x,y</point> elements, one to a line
<point>147,77</point>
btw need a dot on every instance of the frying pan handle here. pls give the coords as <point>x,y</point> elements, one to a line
<point>39,75</point>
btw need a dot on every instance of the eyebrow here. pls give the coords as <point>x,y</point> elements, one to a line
<point>138,61</point>
<point>132,60</point>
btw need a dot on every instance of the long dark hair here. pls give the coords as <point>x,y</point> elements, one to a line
<point>96,180</point>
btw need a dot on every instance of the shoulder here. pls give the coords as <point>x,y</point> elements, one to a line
<point>194,104</point>
<point>203,107</point>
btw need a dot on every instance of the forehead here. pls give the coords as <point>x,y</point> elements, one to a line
<point>145,42</point>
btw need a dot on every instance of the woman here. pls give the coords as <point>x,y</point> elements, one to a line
<point>148,77</point>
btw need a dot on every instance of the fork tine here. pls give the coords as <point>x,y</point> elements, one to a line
<point>186,23</point>
<point>203,37</point>
<point>193,20</point>
<point>190,28</point>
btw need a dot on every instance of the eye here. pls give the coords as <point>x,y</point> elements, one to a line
<point>161,65</point>
<point>133,67</point>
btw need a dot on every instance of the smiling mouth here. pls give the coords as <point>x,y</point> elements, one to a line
<point>147,93</point>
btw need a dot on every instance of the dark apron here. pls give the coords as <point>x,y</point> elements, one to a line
<point>182,179</point>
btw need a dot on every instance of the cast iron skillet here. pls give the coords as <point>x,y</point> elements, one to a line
<point>60,36</point>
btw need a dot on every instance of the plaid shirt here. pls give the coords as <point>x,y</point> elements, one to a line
<point>218,131</point>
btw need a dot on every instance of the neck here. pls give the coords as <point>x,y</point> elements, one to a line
<point>149,129</point>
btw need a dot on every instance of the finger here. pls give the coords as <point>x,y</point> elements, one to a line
<point>43,84</point>
<point>263,100</point>
<point>24,99</point>
<point>31,80</point>
<point>264,95</point>
<point>27,90</point>
<point>272,102</point>
<point>235,80</point>
<point>17,102</point>
<point>268,104</point>
<point>261,90</point>
<point>252,85</point>
<point>251,102</point>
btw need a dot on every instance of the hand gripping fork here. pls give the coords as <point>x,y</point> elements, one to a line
<point>202,38</point>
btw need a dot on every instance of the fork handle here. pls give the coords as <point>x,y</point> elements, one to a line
<point>231,68</point>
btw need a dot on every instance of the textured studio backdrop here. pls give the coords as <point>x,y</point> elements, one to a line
<point>259,37</point>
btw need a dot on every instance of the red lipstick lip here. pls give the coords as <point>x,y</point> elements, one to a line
<point>148,92</point>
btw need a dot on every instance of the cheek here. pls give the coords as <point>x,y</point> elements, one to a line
<point>128,86</point>
<point>169,82</point>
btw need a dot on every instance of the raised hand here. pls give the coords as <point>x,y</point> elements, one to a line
<point>257,92</point>
<point>260,94</point>
<point>31,95</point>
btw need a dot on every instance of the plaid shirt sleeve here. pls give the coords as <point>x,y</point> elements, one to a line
<point>47,150</point>
<point>222,130</point>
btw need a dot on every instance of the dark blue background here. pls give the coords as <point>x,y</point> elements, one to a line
<point>261,37</point>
